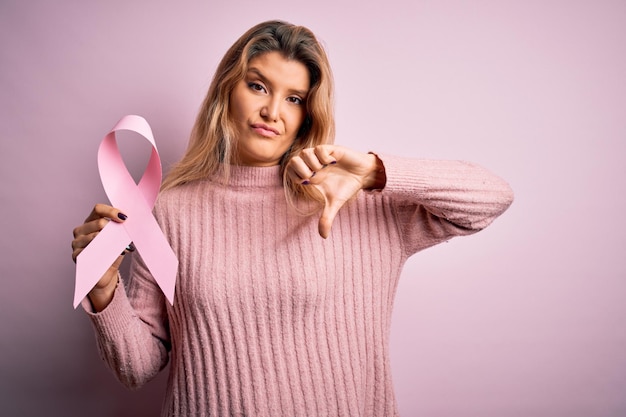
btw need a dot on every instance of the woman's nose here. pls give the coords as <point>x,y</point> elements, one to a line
<point>271,110</point>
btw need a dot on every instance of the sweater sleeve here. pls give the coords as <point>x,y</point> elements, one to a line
<point>132,331</point>
<point>436,200</point>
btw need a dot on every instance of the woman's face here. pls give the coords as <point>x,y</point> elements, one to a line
<point>268,108</point>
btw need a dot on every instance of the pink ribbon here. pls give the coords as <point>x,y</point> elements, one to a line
<point>136,201</point>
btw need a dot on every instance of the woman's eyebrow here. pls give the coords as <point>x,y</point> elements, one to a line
<point>259,74</point>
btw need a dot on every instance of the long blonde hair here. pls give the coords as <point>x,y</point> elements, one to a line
<point>212,143</point>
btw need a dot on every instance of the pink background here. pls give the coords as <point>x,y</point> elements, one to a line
<point>527,318</point>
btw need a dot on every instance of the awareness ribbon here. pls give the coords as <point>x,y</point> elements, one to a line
<point>136,201</point>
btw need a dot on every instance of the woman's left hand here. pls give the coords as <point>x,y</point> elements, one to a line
<point>338,173</point>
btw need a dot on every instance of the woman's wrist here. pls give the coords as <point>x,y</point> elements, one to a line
<point>100,298</point>
<point>376,178</point>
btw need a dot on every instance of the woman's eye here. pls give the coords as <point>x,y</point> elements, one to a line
<point>295,100</point>
<point>256,86</point>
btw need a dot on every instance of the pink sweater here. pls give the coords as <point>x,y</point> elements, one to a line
<point>270,319</point>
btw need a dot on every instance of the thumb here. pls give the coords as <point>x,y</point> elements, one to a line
<point>331,208</point>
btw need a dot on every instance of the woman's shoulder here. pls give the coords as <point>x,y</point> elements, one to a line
<point>180,193</point>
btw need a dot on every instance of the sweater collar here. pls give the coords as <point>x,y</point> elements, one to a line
<point>250,176</point>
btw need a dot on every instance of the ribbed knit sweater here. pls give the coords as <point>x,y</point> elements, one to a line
<point>269,319</point>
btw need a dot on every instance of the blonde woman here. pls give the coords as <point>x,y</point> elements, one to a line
<point>279,313</point>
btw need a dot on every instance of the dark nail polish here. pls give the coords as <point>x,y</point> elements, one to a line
<point>306,182</point>
<point>122,216</point>
<point>333,163</point>
<point>129,248</point>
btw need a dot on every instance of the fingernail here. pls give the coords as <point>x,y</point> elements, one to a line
<point>333,163</point>
<point>122,216</point>
<point>305,182</point>
<point>129,248</point>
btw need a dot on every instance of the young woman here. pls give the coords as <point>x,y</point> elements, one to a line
<point>270,319</point>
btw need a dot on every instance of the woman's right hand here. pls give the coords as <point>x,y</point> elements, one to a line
<point>102,293</point>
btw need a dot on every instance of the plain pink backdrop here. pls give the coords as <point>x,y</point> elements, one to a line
<point>527,318</point>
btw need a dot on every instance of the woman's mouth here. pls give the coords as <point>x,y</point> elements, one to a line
<point>264,130</point>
